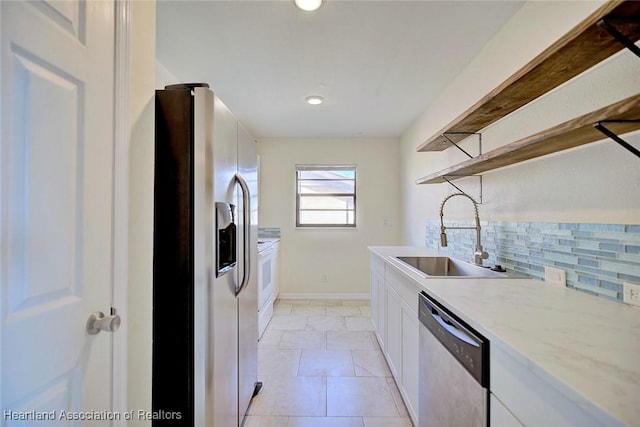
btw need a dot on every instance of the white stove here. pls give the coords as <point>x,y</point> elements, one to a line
<point>266,270</point>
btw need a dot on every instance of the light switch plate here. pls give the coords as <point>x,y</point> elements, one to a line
<point>631,293</point>
<point>555,276</point>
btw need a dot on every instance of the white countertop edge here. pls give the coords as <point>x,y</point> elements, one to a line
<point>599,403</point>
<point>266,243</point>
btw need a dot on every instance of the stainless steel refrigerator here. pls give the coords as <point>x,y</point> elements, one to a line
<point>205,262</point>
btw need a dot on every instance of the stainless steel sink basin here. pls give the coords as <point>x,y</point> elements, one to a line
<point>441,266</point>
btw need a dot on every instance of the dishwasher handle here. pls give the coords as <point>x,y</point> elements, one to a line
<point>452,329</point>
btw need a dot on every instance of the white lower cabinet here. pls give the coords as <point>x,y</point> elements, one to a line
<point>378,298</point>
<point>410,345</point>
<point>396,323</point>
<point>531,396</point>
<point>521,395</point>
<point>500,415</point>
<point>393,347</point>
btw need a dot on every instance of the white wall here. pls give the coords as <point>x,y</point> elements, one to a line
<point>598,183</point>
<point>143,22</point>
<point>340,254</point>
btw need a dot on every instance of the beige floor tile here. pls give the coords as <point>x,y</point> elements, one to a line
<point>307,360</point>
<point>295,301</point>
<point>386,422</point>
<point>397,398</point>
<point>359,324</point>
<point>370,363</point>
<point>282,310</point>
<point>348,340</point>
<point>359,302</point>
<point>326,363</point>
<point>325,302</point>
<point>288,323</point>
<point>359,396</point>
<point>326,422</point>
<point>344,310</point>
<point>270,338</point>
<point>291,396</point>
<point>265,421</point>
<point>326,323</point>
<point>274,361</point>
<point>308,310</point>
<point>303,340</point>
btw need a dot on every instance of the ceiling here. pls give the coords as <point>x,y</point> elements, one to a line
<point>378,64</point>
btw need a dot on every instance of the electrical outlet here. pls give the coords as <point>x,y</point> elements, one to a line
<point>555,276</point>
<point>323,278</point>
<point>631,293</point>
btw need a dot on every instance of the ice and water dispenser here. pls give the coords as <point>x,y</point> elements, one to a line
<point>225,238</point>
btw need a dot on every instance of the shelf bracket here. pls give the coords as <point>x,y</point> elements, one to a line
<point>479,199</point>
<point>452,142</point>
<point>624,40</point>
<point>600,126</point>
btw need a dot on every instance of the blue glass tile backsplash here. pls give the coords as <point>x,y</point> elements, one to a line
<point>269,232</point>
<point>598,258</point>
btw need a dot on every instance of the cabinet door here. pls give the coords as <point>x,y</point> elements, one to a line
<point>377,302</point>
<point>410,344</point>
<point>393,347</point>
<point>375,317</point>
<point>531,397</point>
<point>500,415</point>
<point>382,312</point>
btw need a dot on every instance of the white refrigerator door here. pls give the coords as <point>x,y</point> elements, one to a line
<point>248,297</point>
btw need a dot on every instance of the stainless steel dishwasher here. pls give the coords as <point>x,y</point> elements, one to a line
<point>454,370</point>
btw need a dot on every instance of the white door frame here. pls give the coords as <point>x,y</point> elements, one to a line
<point>122,133</point>
<point>1,404</point>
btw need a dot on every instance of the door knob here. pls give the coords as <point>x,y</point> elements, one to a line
<point>98,321</point>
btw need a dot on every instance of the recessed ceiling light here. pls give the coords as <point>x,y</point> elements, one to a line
<point>314,99</point>
<point>308,5</point>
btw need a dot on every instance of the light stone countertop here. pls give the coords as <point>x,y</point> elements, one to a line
<point>588,348</point>
<point>265,243</point>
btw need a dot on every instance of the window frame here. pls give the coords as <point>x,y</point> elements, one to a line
<point>329,168</point>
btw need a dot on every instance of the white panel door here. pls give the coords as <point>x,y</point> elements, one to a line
<point>56,206</point>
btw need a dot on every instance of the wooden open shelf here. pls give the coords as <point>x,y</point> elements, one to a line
<point>578,50</point>
<point>573,133</point>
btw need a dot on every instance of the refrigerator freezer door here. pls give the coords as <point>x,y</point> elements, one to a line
<point>183,253</point>
<point>223,305</point>
<point>203,244</point>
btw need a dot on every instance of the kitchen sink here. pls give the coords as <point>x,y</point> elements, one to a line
<point>442,266</point>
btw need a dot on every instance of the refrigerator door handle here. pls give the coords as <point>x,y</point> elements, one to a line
<point>246,223</point>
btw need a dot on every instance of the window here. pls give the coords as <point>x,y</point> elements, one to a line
<point>325,196</point>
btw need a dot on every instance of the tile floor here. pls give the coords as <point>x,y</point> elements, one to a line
<point>321,366</point>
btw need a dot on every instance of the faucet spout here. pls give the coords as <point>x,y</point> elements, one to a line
<point>479,253</point>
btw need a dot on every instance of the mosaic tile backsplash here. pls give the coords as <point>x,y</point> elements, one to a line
<point>598,258</point>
